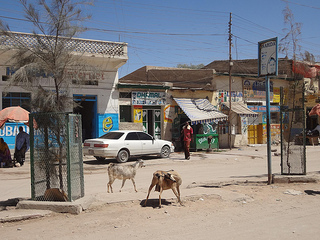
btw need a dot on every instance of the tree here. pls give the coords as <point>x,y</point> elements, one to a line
<point>50,54</point>
<point>191,66</point>
<point>47,54</point>
<point>289,45</point>
<point>308,57</point>
<point>291,39</point>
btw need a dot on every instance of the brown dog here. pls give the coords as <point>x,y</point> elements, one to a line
<point>164,180</point>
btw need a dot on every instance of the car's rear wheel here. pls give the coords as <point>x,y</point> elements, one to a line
<point>100,158</point>
<point>123,156</point>
<point>165,152</point>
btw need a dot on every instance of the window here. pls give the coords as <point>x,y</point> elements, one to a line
<point>125,113</point>
<point>16,99</point>
<point>144,136</point>
<point>124,94</point>
<point>132,136</point>
<point>112,135</point>
<point>275,117</point>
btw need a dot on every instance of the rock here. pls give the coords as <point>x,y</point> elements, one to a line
<point>292,192</point>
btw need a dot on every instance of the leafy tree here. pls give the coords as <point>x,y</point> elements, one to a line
<point>55,23</point>
<point>44,58</point>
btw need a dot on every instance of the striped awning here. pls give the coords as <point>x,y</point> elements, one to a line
<point>240,108</point>
<point>200,110</point>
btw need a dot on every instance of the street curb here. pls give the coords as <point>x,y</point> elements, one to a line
<point>15,215</point>
<point>294,179</point>
<point>75,207</point>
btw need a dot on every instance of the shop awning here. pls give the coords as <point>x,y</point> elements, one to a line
<point>241,109</point>
<point>200,110</point>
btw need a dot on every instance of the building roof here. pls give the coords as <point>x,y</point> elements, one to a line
<point>179,77</point>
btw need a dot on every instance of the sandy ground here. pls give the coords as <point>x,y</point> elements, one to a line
<point>234,208</point>
<point>260,212</point>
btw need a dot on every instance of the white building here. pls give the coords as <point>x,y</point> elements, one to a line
<point>94,90</point>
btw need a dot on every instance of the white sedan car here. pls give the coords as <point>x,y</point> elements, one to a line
<point>124,144</point>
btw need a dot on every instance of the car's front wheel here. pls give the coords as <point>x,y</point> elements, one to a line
<point>123,156</point>
<point>165,152</point>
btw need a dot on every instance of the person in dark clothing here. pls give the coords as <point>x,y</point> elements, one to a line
<point>22,146</point>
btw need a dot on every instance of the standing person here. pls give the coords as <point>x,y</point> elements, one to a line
<point>187,132</point>
<point>22,146</point>
<point>5,155</point>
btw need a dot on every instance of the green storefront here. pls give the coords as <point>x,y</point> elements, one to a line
<point>203,118</point>
<point>203,133</point>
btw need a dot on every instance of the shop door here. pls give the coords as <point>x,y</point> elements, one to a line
<point>88,110</point>
<point>152,122</point>
<point>252,134</point>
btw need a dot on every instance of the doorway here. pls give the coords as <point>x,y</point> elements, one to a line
<point>152,121</point>
<point>87,108</point>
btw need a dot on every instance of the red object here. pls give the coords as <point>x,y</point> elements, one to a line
<point>305,70</point>
<point>187,134</point>
<point>14,114</point>
<point>315,110</point>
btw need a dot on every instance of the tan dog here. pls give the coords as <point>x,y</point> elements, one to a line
<point>55,194</point>
<point>164,180</point>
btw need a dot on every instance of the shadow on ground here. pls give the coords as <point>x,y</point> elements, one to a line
<point>312,192</point>
<point>155,203</point>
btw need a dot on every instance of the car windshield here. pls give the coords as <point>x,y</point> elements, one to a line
<point>112,135</point>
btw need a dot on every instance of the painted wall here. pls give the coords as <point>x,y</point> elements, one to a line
<point>10,131</point>
<point>108,122</point>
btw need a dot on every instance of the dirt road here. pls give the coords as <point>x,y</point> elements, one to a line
<point>224,197</point>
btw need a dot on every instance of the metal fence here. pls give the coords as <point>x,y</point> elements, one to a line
<point>56,157</point>
<point>293,134</point>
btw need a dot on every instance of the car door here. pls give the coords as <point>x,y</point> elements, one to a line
<point>148,143</point>
<point>133,143</point>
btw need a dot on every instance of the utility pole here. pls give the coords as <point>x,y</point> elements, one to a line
<point>230,80</point>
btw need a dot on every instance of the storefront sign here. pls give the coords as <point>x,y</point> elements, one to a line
<point>107,123</point>
<point>264,108</point>
<point>268,57</point>
<point>223,96</point>
<point>148,98</point>
<point>10,131</point>
<point>256,89</point>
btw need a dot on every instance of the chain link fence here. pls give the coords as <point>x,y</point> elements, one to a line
<point>56,157</point>
<point>293,134</point>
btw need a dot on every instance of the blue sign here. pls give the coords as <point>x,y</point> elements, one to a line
<point>10,131</point>
<point>108,122</point>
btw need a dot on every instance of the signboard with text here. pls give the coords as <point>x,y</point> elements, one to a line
<point>148,98</point>
<point>268,57</point>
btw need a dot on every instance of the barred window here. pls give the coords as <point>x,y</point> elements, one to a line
<point>12,99</point>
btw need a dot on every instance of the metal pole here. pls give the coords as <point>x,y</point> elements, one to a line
<point>268,129</point>
<point>230,66</point>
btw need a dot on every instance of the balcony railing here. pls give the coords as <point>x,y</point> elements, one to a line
<point>75,44</point>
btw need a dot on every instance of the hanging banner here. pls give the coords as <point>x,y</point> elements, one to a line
<point>137,113</point>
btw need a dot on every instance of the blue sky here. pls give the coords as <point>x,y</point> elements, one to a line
<point>170,32</point>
